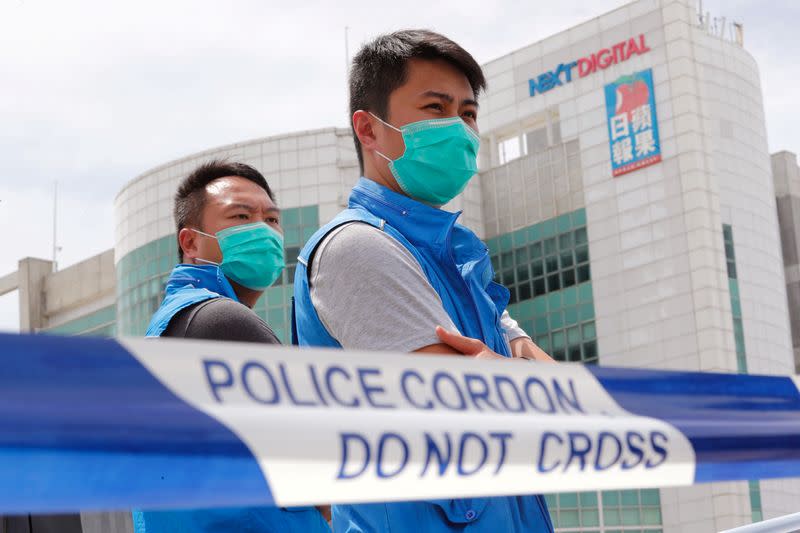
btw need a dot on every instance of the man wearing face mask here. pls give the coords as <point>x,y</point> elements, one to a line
<point>230,245</point>
<point>384,271</point>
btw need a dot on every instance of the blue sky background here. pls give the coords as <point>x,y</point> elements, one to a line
<point>94,93</point>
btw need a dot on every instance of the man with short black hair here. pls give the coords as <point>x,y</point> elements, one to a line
<point>390,267</point>
<point>230,244</point>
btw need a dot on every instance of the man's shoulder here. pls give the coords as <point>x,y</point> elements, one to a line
<point>226,309</point>
<point>220,319</point>
<point>343,218</point>
<point>361,245</point>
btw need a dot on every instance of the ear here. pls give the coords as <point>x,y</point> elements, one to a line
<point>188,242</point>
<point>363,127</point>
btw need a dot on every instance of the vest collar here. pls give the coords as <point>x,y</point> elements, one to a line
<point>421,224</point>
<point>208,277</point>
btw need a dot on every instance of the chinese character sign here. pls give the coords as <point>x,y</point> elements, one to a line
<point>632,124</point>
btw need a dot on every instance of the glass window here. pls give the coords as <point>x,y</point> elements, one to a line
<point>651,517</point>
<point>523,274</point>
<point>571,316</point>
<point>584,273</point>
<point>566,259</point>
<point>509,149</point>
<point>537,269</point>
<point>549,246</point>
<point>590,517</point>
<point>630,497</point>
<point>539,287</point>
<point>580,236</point>
<point>630,517</point>
<point>536,140</point>
<point>558,339</point>
<point>590,351</point>
<point>507,260</point>
<point>650,497</point>
<point>525,291</point>
<point>574,335</point>
<point>611,517</point>
<point>565,241</point>
<point>521,255</point>
<point>610,498</point>
<point>568,499</point>
<point>581,254</point>
<point>574,353</point>
<point>568,518</point>
<point>551,264</point>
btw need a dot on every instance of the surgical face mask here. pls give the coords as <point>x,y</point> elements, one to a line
<point>252,254</point>
<point>440,158</point>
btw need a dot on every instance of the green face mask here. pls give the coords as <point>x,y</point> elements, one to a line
<point>252,254</point>
<point>441,157</point>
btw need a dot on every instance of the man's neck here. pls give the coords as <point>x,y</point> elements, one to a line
<point>248,297</point>
<point>372,174</point>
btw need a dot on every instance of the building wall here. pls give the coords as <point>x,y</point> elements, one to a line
<point>81,299</point>
<point>735,130</point>
<point>30,278</point>
<point>786,176</point>
<point>658,266</point>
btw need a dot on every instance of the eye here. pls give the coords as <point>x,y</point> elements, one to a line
<point>273,220</point>
<point>436,107</point>
<point>241,216</point>
<point>470,115</point>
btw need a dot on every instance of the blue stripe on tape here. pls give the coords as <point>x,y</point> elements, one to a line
<point>741,427</point>
<point>74,423</point>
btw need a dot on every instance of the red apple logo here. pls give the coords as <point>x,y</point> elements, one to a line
<point>630,96</point>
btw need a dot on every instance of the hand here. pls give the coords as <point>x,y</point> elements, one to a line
<point>466,345</point>
<point>525,348</point>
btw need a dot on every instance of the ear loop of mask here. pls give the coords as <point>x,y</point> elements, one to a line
<point>398,130</point>
<point>207,235</point>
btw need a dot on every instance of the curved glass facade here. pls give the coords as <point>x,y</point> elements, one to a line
<point>141,276</point>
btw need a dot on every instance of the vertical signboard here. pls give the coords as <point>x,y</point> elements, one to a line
<point>632,123</point>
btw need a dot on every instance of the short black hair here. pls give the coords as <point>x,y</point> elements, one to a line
<point>380,67</point>
<point>190,200</point>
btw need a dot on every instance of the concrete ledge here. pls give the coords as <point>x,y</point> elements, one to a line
<point>8,283</point>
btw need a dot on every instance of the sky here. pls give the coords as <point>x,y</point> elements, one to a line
<point>94,93</point>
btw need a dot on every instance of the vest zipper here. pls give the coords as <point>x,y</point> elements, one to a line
<point>382,201</point>
<point>464,283</point>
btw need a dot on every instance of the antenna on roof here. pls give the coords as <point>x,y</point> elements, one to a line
<point>55,225</point>
<point>346,54</point>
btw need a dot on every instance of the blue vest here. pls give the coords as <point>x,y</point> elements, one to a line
<point>457,265</point>
<point>188,285</point>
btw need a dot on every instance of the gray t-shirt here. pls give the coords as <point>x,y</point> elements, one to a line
<point>371,293</point>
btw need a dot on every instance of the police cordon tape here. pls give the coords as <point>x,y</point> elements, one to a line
<point>93,424</point>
